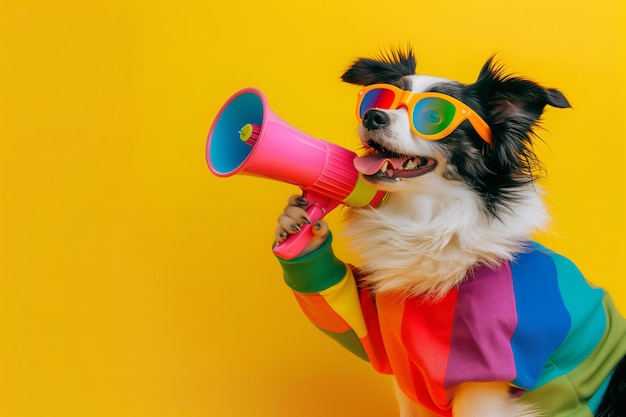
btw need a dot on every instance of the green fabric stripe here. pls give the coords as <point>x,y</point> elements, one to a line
<point>567,395</point>
<point>558,398</point>
<point>596,399</point>
<point>348,340</point>
<point>315,271</point>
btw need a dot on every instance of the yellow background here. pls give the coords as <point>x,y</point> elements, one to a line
<point>134,283</point>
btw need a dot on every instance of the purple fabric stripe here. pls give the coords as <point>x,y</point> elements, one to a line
<point>485,318</point>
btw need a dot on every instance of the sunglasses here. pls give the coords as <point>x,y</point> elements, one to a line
<point>432,116</point>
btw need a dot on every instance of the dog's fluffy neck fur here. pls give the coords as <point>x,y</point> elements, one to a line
<point>425,243</point>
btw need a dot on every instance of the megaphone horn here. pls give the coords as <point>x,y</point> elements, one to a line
<point>247,137</point>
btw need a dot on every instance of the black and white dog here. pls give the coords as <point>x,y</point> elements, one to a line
<point>458,163</point>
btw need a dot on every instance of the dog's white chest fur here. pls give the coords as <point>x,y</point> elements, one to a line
<point>424,241</point>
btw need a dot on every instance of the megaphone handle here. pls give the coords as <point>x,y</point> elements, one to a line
<point>294,244</point>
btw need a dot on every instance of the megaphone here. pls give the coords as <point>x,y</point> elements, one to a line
<point>248,138</point>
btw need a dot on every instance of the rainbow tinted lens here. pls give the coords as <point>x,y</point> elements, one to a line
<point>380,98</point>
<point>432,115</point>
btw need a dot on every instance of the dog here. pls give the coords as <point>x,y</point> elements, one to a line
<point>453,299</point>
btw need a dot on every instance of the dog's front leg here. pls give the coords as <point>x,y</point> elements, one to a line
<point>408,407</point>
<point>489,399</point>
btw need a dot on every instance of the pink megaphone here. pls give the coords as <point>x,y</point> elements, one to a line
<point>248,138</point>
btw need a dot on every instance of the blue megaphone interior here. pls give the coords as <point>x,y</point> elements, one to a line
<point>227,151</point>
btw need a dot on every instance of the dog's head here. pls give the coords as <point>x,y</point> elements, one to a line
<point>480,133</point>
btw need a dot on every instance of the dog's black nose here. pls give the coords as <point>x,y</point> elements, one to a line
<point>375,119</point>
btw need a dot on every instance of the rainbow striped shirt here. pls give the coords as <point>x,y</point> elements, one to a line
<point>534,322</point>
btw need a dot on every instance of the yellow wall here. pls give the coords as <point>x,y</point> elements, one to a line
<point>134,283</point>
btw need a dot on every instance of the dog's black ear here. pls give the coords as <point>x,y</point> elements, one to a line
<point>512,106</point>
<point>389,68</point>
<point>515,100</point>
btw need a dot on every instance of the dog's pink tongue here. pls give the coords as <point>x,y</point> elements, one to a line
<point>371,164</point>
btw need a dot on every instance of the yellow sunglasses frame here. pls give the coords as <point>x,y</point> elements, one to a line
<point>408,99</point>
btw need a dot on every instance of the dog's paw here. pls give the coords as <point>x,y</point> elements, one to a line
<point>489,399</point>
<point>293,218</point>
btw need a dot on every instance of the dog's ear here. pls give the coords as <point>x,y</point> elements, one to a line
<point>512,106</point>
<point>389,68</point>
<point>513,100</point>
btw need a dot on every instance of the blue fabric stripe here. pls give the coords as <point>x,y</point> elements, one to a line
<point>584,304</point>
<point>543,320</point>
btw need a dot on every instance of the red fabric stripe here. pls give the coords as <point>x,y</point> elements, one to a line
<point>375,349</point>
<point>426,332</point>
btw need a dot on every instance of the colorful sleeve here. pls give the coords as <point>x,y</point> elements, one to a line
<point>327,293</point>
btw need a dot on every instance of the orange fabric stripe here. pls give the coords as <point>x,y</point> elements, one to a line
<point>368,347</point>
<point>417,340</point>
<point>320,313</point>
<point>399,362</point>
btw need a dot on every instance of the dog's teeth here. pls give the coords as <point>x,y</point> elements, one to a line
<point>410,164</point>
<point>383,169</point>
